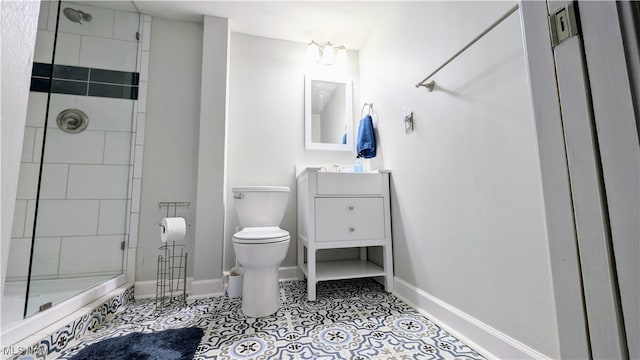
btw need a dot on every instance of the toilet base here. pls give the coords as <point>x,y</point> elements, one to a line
<point>260,292</point>
<point>261,262</point>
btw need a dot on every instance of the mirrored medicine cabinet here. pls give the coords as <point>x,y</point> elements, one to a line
<point>328,113</point>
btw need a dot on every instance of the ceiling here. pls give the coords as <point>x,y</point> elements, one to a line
<point>345,23</point>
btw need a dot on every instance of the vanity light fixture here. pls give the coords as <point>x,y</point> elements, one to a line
<point>326,54</point>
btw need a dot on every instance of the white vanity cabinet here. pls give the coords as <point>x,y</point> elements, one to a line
<point>343,210</point>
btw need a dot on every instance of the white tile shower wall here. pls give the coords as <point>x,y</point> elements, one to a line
<point>126,24</point>
<point>86,147</point>
<point>68,51</point>
<point>19,217</point>
<point>112,217</point>
<point>137,168</point>
<point>44,45</point>
<point>116,148</point>
<point>97,182</point>
<point>28,144</point>
<point>28,181</point>
<point>29,217</point>
<point>140,129</point>
<point>67,217</point>
<point>107,42</point>
<point>37,146</point>
<point>108,142</point>
<point>54,185</point>
<point>135,195</point>
<point>133,234</point>
<point>108,54</point>
<point>137,146</point>
<point>47,251</point>
<point>100,254</point>
<point>106,113</point>
<point>53,14</point>
<point>100,26</point>
<point>16,267</point>
<point>58,103</point>
<point>36,109</point>
<point>43,17</point>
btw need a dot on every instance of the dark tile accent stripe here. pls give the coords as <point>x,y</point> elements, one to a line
<point>114,77</point>
<point>40,84</point>
<point>98,82</point>
<point>113,91</point>
<point>41,70</point>
<point>70,72</point>
<point>69,87</point>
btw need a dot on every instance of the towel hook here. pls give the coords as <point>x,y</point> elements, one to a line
<point>369,110</point>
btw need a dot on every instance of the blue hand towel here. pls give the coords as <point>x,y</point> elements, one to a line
<point>366,144</point>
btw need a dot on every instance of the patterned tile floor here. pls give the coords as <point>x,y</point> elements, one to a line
<point>351,319</point>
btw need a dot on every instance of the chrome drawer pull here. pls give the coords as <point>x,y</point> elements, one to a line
<point>350,207</point>
<point>352,229</point>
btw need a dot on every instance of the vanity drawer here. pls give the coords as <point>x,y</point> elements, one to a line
<point>349,184</point>
<point>349,218</point>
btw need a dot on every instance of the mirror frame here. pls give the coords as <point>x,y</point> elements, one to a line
<point>348,116</point>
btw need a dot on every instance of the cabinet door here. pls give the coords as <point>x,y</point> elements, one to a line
<point>349,218</point>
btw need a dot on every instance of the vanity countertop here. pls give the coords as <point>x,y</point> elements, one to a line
<point>301,170</point>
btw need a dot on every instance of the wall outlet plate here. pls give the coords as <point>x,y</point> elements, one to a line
<point>408,123</point>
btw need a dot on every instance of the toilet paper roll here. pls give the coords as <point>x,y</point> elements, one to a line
<point>173,229</point>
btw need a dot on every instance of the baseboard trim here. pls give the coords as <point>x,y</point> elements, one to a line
<point>147,289</point>
<point>287,273</point>
<point>485,339</point>
<point>206,288</point>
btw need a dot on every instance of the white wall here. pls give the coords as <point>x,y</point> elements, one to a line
<point>171,135</point>
<point>466,195</point>
<point>207,270</point>
<point>266,123</point>
<point>19,24</point>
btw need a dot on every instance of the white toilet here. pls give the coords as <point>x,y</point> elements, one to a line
<point>261,245</point>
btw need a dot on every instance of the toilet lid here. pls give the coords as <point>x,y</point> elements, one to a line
<point>261,235</point>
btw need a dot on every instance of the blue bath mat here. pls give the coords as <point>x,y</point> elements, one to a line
<point>174,344</point>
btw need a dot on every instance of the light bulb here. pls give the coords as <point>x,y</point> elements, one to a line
<point>327,54</point>
<point>313,52</point>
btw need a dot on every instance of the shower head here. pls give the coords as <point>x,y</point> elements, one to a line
<point>76,15</point>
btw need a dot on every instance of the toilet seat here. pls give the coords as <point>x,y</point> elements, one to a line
<point>261,235</point>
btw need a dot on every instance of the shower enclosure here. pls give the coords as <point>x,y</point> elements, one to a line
<point>74,203</point>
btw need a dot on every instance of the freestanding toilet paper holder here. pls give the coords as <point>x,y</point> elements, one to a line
<point>171,277</point>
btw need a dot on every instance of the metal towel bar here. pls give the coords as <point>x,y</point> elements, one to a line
<point>429,85</point>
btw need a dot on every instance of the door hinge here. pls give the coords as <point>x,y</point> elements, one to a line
<point>45,306</point>
<point>563,25</point>
<point>122,245</point>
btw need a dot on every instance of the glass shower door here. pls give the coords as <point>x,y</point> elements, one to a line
<point>82,202</point>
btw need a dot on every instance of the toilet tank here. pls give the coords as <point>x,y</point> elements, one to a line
<point>260,205</point>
